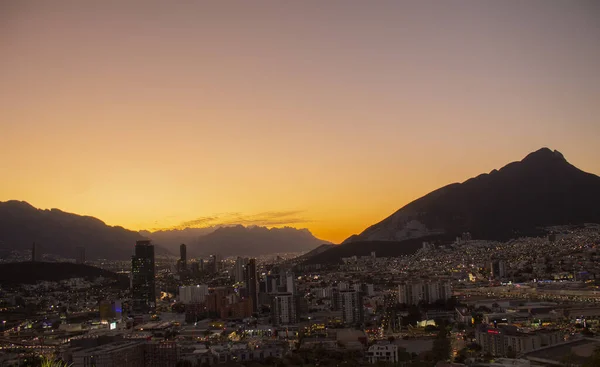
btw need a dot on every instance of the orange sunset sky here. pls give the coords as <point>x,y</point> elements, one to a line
<point>327,115</point>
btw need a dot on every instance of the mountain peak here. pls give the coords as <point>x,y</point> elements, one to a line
<point>541,190</point>
<point>545,155</point>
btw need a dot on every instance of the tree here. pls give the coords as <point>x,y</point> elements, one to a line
<point>510,353</point>
<point>47,362</point>
<point>441,347</point>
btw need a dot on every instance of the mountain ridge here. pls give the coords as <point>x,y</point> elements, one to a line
<point>61,233</point>
<point>488,192</point>
<point>519,199</point>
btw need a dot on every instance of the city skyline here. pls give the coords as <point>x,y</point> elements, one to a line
<point>321,116</point>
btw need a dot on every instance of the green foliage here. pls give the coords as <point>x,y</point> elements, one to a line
<point>46,362</point>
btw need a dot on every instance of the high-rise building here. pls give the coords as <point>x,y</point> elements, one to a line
<point>290,282</point>
<point>352,307</point>
<point>214,263</point>
<point>195,268</point>
<point>143,287</point>
<point>36,252</point>
<point>498,268</point>
<point>412,293</point>
<point>239,269</point>
<point>193,294</point>
<point>80,255</point>
<point>182,263</point>
<point>251,283</point>
<point>283,309</point>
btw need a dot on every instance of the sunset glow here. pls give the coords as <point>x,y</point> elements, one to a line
<point>321,115</point>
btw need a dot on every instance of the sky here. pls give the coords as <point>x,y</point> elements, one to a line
<point>327,115</point>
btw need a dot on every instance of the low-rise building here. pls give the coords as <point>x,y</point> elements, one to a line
<point>386,353</point>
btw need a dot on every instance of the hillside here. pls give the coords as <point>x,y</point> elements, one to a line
<point>33,272</point>
<point>253,241</point>
<point>519,199</point>
<point>541,190</point>
<point>61,233</point>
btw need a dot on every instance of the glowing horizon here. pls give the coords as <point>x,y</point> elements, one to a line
<point>149,115</point>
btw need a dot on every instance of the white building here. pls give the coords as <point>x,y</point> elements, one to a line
<point>383,353</point>
<point>290,283</point>
<point>412,293</point>
<point>193,293</point>
<point>352,307</point>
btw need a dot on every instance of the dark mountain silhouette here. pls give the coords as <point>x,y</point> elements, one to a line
<point>541,190</point>
<point>33,272</point>
<point>60,233</point>
<point>253,241</point>
<point>172,238</point>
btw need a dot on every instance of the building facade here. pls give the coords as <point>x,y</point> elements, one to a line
<point>143,288</point>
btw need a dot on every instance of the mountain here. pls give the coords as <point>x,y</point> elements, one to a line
<point>541,190</point>
<point>172,238</point>
<point>60,233</point>
<point>33,272</point>
<point>253,241</point>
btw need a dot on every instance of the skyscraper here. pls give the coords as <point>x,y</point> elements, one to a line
<point>143,288</point>
<point>183,255</point>
<point>283,309</point>
<point>352,307</point>
<point>251,283</point>
<point>80,255</point>
<point>182,262</point>
<point>239,269</point>
<point>36,252</point>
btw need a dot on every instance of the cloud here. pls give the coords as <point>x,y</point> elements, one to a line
<point>267,219</point>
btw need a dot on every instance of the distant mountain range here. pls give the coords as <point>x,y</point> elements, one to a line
<point>237,240</point>
<point>541,190</point>
<point>60,233</point>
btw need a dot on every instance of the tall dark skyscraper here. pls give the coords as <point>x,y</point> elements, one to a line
<point>143,288</point>
<point>182,262</point>
<point>183,255</point>
<point>80,255</point>
<point>252,284</point>
<point>36,252</point>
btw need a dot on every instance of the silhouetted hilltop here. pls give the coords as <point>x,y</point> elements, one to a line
<point>541,190</point>
<point>33,272</point>
<point>61,233</point>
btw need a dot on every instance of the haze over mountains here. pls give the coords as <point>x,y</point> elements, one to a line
<point>237,240</point>
<point>61,233</point>
<point>541,190</point>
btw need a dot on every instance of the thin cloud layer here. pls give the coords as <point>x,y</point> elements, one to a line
<point>271,218</point>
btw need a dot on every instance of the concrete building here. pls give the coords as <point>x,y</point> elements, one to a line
<point>239,269</point>
<point>411,293</point>
<point>193,294</point>
<point>283,309</point>
<point>352,307</point>
<point>252,283</point>
<point>143,286</point>
<point>385,353</point>
<point>502,340</point>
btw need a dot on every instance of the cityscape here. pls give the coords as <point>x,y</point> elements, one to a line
<point>300,183</point>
